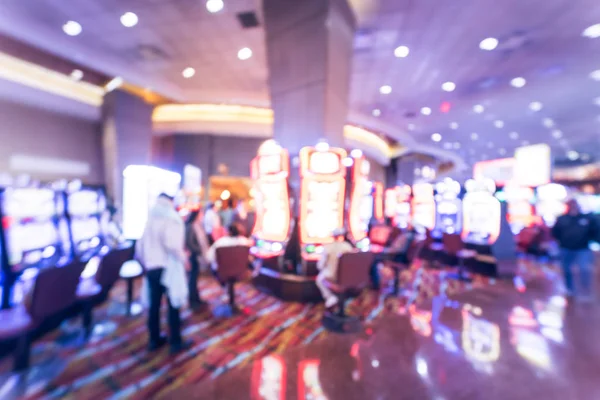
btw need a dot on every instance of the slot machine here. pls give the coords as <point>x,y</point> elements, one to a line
<point>402,214</point>
<point>481,213</point>
<point>35,234</point>
<point>270,171</point>
<point>519,201</point>
<point>423,206</point>
<point>88,221</point>
<point>361,199</point>
<point>448,206</point>
<point>551,202</point>
<point>390,203</point>
<point>322,192</point>
<point>378,199</point>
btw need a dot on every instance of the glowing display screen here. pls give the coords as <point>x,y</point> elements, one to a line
<point>324,163</point>
<point>322,208</point>
<point>270,164</point>
<point>85,202</point>
<point>481,218</point>
<point>423,206</point>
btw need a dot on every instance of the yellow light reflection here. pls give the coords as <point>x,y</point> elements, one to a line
<point>480,339</point>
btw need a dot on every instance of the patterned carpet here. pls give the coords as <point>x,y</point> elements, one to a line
<point>118,366</point>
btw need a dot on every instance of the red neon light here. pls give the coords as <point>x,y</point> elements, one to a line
<point>308,201</point>
<point>445,107</point>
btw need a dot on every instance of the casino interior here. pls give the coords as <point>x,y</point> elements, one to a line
<point>454,147</point>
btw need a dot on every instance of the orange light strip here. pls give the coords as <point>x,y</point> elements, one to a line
<point>378,199</point>
<point>309,177</point>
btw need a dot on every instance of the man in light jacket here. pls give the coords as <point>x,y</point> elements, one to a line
<point>328,265</point>
<point>160,250</point>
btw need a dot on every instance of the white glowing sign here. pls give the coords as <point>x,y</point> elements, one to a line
<point>533,165</point>
<point>324,163</point>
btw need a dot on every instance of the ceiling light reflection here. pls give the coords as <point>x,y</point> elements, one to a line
<point>401,51</point>
<point>488,44</point>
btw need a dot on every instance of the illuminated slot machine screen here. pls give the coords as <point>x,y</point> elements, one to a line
<point>35,233</point>
<point>423,206</point>
<point>481,213</point>
<point>270,171</point>
<point>551,202</point>
<point>88,220</point>
<point>520,213</point>
<point>402,214</point>
<point>361,200</point>
<point>322,197</point>
<point>391,202</point>
<point>448,206</point>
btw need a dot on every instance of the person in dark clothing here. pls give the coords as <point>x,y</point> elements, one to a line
<point>574,231</point>
<point>242,218</point>
<point>197,244</point>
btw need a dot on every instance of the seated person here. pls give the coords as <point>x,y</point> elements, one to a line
<point>328,265</point>
<point>234,238</point>
<point>398,249</point>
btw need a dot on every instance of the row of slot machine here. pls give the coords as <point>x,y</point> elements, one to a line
<point>43,227</point>
<point>330,197</point>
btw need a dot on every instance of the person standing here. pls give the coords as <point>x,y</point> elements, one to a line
<point>328,265</point>
<point>197,245</point>
<point>161,251</point>
<point>211,220</point>
<point>227,213</point>
<point>574,231</point>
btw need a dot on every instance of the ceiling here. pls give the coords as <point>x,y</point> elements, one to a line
<point>539,40</point>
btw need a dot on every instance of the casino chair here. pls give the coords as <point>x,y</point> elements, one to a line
<point>232,264</point>
<point>414,252</point>
<point>53,293</point>
<point>456,255</point>
<point>352,278</point>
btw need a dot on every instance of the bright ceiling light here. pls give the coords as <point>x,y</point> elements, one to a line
<point>129,19</point>
<point>513,135</point>
<point>499,124</point>
<point>426,111</point>
<point>356,153</point>
<point>474,136</point>
<point>448,86</point>
<point>518,82</point>
<point>548,122</point>
<point>376,112</point>
<point>478,108</point>
<point>385,89</point>
<point>188,72</point>
<point>214,6</point>
<point>454,125</point>
<point>572,155</point>
<point>592,32</point>
<point>401,51</point>
<point>535,106</point>
<point>488,44</point>
<point>245,53</point>
<point>557,134</point>
<point>595,75</point>
<point>72,28</point>
<point>436,137</point>
<point>76,74</point>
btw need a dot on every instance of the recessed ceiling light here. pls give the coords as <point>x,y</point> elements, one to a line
<point>425,110</point>
<point>595,75</point>
<point>592,31</point>
<point>557,134</point>
<point>436,137</point>
<point>478,108</point>
<point>72,28</point>
<point>513,135</point>
<point>456,145</point>
<point>129,19</point>
<point>518,82</point>
<point>214,6</point>
<point>499,124</point>
<point>448,86</point>
<point>525,143</point>
<point>385,89</point>
<point>548,122</point>
<point>447,145</point>
<point>244,53</point>
<point>376,112</point>
<point>474,136</point>
<point>490,145</point>
<point>454,125</point>
<point>76,74</point>
<point>188,72</point>
<point>572,155</point>
<point>535,106</point>
<point>488,44</point>
<point>502,151</point>
<point>401,51</point>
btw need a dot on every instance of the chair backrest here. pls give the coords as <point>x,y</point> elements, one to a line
<point>54,289</point>
<point>232,262</point>
<point>353,269</point>
<point>452,243</point>
<point>110,265</point>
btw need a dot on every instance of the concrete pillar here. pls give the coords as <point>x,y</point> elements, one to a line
<point>309,53</point>
<point>126,137</point>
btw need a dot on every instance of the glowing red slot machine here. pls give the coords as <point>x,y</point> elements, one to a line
<point>322,191</point>
<point>270,171</point>
<point>361,200</point>
<point>519,200</point>
<point>423,206</point>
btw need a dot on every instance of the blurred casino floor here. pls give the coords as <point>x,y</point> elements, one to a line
<point>442,340</point>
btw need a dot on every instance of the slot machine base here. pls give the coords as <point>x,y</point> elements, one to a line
<point>288,287</point>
